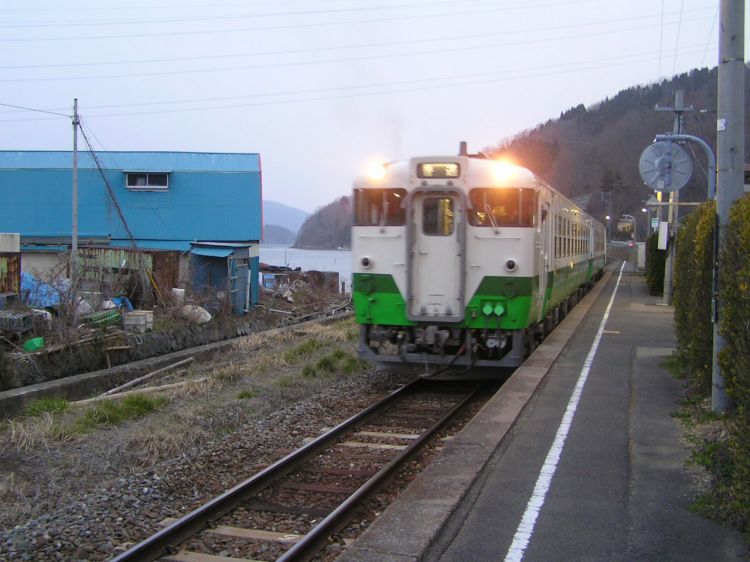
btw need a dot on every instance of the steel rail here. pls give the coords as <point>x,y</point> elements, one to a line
<point>311,544</point>
<point>164,541</point>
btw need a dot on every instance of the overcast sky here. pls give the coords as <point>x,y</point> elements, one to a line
<point>321,87</point>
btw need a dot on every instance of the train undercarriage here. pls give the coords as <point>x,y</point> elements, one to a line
<point>445,351</point>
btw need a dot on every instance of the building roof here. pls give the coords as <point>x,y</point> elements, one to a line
<point>132,161</point>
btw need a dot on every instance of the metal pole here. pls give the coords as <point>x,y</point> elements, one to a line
<point>730,143</point>
<point>74,233</point>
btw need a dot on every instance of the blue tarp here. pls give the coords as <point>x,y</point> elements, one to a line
<point>36,292</point>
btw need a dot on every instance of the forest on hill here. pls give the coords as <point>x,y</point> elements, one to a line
<point>327,228</point>
<point>596,149</point>
<point>588,151</point>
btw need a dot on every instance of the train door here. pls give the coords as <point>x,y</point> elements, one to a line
<point>544,245</point>
<point>436,256</point>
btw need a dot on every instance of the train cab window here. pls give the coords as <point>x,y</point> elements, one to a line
<point>502,207</point>
<point>437,216</point>
<point>379,207</point>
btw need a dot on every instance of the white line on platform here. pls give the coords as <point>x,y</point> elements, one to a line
<point>533,507</point>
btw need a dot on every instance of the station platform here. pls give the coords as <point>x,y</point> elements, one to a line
<point>577,457</point>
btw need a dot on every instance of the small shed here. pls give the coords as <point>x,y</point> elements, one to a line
<point>228,270</point>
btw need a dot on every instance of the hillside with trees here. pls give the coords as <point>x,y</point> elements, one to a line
<point>596,150</point>
<point>588,151</point>
<point>328,228</point>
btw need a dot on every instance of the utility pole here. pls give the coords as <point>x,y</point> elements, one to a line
<point>74,233</point>
<point>730,141</point>
<point>678,110</point>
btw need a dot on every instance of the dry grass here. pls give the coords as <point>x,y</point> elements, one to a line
<point>28,434</point>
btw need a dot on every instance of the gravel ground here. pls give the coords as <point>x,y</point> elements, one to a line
<point>87,497</point>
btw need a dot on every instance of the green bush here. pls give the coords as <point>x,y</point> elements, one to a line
<point>734,292</point>
<point>655,261</point>
<point>693,271</point>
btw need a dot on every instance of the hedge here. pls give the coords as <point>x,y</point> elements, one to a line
<point>655,261</point>
<point>693,270</point>
<point>734,291</point>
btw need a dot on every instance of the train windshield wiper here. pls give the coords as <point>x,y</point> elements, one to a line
<point>491,215</point>
<point>384,210</point>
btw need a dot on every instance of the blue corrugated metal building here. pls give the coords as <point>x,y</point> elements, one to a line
<point>169,200</point>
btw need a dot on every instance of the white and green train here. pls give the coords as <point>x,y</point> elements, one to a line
<point>463,263</point>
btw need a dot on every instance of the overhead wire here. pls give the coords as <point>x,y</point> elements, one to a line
<point>441,39</point>
<point>677,40</point>
<point>710,35</point>
<point>172,7</point>
<point>34,109</point>
<point>508,75</point>
<point>232,17</point>
<point>277,65</point>
<point>162,34</point>
<point>661,37</point>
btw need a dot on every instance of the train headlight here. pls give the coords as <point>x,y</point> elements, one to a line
<point>366,262</point>
<point>502,171</point>
<point>376,171</point>
<point>511,265</point>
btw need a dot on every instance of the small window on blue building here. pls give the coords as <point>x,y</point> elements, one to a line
<point>147,180</point>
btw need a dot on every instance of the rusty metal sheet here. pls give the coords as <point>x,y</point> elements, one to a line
<point>10,273</point>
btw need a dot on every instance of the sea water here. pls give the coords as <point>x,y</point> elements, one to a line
<point>315,260</point>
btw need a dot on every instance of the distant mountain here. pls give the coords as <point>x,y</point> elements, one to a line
<point>284,216</point>
<point>329,227</point>
<point>275,234</point>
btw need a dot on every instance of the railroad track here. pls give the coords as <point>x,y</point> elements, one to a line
<point>290,509</point>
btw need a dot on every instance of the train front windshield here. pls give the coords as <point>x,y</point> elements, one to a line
<point>502,207</point>
<point>379,207</point>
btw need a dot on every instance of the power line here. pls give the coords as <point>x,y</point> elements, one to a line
<point>231,17</point>
<point>677,41</point>
<point>277,65</point>
<point>163,6</point>
<point>710,35</point>
<point>661,37</point>
<point>421,17</point>
<point>533,30</point>
<point>22,108</point>
<point>512,75</point>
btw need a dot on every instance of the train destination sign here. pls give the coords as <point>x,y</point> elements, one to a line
<point>438,170</point>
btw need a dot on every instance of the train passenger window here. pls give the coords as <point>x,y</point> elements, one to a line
<point>502,207</point>
<point>437,216</point>
<point>379,207</point>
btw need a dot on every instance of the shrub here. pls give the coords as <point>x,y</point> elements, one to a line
<point>655,261</point>
<point>693,271</point>
<point>734,288</point>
